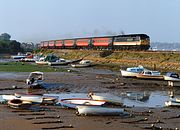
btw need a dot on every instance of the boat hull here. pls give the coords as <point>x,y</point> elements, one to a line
<point>125,73</point>
<point>80,65</point>
<point>19,104</point>
<point>108,99</point>
<point>74,102</point>
<point>167,78</point>
<point>103,111</point>
<point>172,104</point>
<point>30,98</point>
<point>57,63</point>
<point>159,77</point>
<point>42,62</point>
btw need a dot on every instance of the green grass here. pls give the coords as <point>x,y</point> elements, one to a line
<point>26,67</point>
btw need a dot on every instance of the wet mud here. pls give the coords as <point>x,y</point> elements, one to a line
<point>149,116</point>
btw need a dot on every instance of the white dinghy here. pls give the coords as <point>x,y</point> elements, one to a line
<point>29,98</point>
<point>106,97</point>
<point>74,102</point>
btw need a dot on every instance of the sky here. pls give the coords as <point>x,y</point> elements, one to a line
<point>39,20</point>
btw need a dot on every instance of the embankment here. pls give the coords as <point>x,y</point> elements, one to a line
<point>164,61</point>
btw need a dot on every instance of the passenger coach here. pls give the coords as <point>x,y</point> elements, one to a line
<point>119,42</point>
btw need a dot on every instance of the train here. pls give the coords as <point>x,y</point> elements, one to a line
<point>118,42</point>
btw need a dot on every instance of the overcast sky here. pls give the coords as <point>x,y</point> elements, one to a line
<point>36,20</point>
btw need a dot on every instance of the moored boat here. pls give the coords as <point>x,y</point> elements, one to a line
<point>172,103</point>
<point>170,76</point>
<point>100,111</point>
<point>35,79</point>
<point>29,98</point>
<point>83,63</point>
<point>18,104</point>
<point>108,98</point>
<point>42,61</point>
<point>74,102</point>
<point>50,99</point>
<point>59,62</point>
<point>132,72</point>
<point>148,74</point>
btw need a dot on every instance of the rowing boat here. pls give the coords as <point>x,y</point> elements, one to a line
<point>73,102</point>
<point>19,104</point>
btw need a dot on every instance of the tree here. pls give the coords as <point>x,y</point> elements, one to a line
<point>5,37</point>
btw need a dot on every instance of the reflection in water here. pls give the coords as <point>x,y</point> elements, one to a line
<point>139,96</point>
<point>137,99</point>
<point>154,99</point>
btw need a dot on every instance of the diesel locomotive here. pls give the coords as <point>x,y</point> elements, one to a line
<point>119,42</point>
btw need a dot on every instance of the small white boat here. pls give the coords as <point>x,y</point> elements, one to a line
<point>73,102</point>
<point>42,61</point>
<point>172,103</point>
<point>18,104</point>
<point>132,72</point>
<point>30,98</point>
<point>97,111</point>
<point>83,63</point>
<point>106,97</point>
<point>18,57</point>
<point>35,77</point>
<point>171,77</point>
<point>58,62</point>
<point>148,74</point>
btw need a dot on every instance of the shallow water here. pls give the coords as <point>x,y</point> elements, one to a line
<point>154,99</point>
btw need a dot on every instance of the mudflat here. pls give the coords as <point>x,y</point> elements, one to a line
<point>84,81</point>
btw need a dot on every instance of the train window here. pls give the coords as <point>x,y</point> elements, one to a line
<point>129,39</point>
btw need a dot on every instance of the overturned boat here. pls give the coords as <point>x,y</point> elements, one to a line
<point>100,111</point>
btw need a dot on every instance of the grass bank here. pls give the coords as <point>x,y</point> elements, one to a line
<point>26,67</point>
<point>164,61</point>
